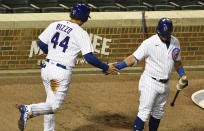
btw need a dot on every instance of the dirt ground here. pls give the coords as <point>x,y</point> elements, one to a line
<point>99,103</point>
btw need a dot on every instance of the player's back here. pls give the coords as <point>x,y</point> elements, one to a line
<point>65,40</point>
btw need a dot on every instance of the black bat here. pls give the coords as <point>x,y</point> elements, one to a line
<point>182,80</point>
<point>177,92</point>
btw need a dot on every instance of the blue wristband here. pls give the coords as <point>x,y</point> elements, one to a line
<point>121,65</point>
<point>180,71</point>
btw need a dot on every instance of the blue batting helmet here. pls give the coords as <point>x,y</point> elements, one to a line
<point>81,11</point>
<point>165,26</point>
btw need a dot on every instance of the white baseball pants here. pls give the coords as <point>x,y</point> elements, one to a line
<point>153,97</point>
<point>56,81</point>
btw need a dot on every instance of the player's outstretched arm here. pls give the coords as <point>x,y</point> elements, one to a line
<point>93,60</point>
<point>129,61</point>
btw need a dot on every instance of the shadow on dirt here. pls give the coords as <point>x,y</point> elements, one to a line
<point>105,121</point>
<point>113,120</point>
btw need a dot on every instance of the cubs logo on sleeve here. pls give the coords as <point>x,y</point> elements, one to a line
<point>175,53</point>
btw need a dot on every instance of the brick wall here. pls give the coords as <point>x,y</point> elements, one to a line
<point>17,49</point>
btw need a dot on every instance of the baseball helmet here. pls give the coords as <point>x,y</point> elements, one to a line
<point>81,11</point>
<point>165,26</point>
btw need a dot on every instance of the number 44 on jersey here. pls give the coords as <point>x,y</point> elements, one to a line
<point>96,40</point>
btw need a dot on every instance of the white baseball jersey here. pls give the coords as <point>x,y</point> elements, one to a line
<point>65,41</point>
<point>159,61</point>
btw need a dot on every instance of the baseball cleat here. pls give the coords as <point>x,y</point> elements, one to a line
<point>23,118</point>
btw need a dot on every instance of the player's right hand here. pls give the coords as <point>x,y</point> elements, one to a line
<point>112,70</point>
<point>182,83</point>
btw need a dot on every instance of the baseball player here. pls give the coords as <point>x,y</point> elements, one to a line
<point>161,52</point>
<point>62,41</point>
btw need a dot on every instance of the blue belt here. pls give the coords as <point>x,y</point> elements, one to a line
<point>59,65</point>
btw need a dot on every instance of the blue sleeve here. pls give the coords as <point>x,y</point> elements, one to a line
<point>43,46</point>
<point>93,60</point>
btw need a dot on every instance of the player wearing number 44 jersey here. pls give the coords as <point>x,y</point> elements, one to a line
<point>62,42</point>
<point>161,53</point>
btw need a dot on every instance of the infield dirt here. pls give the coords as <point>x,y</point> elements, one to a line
<point>99,103</point>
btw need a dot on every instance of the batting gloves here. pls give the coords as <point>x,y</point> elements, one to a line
<point>182,82</point>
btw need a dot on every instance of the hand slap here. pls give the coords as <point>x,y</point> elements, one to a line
<point>112,70</point>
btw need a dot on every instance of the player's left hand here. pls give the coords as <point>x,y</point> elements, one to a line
<point>112,70</point>
<point>182,82</point>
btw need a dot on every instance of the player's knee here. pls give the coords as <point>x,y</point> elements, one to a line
<point>158,113</point>
<point>143,115</point>
<point>55,108</point>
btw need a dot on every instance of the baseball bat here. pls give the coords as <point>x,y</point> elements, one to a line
<point>177,92</point>
<point>183,79</point>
